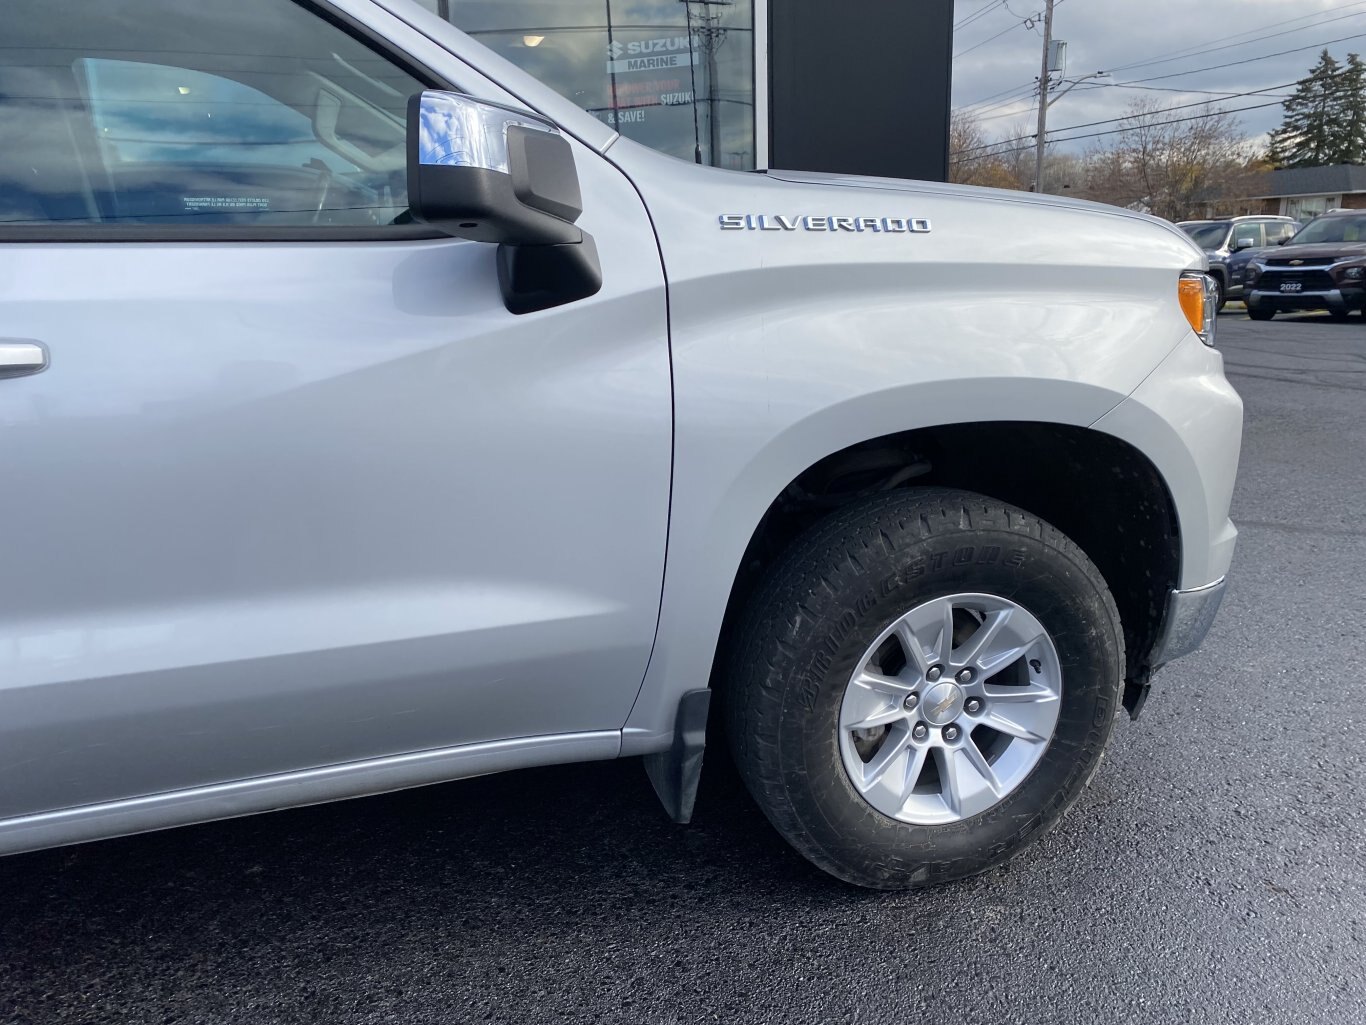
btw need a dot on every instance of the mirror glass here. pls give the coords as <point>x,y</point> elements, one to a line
<point>456,131</point>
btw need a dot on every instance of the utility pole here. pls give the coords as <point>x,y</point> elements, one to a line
<point>1043,98</point>
<point>711,35</point>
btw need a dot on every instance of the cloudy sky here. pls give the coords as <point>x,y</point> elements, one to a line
<point>1173,48</point>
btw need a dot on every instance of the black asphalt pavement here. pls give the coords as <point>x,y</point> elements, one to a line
<point>1214,872</point>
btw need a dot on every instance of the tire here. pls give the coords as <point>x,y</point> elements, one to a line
<point>1260,313</point>
<point>809,626</point>
<point>1221,293</point>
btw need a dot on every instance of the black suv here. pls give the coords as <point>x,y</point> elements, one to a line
<point>1323,267</point>
<point>1222,237</point>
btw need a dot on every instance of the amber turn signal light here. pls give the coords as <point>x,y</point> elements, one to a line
<point>1199,298</point>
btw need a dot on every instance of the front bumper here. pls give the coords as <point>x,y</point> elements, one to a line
<point>1187,620</point>
<point>1336,300</point>
<point>1185,623</point>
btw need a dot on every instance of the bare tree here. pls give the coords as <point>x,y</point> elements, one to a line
<point>1173,167</point>
<point>976,160</point>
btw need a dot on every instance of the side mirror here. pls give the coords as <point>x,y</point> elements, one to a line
<point>490,173</point>
<point>1245,243</point>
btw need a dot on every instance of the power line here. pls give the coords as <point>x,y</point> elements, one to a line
<point>969,19</point>
<point>1230,64</point>
<point>998,35</point>
<point>1249,60</point>
<point>1220,93</point>
<point>1028,93</point>
<point>1028,22</point>
<point>1159,124</point>
<point>1014,88</point>
<point>1185,52</point>
<point>1340,88</point>
<point>985,105</point>
<point>983,150</point>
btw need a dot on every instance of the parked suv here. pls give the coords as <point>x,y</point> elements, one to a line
<point>1323,267</point>
<point>373,416</point>
<point>1224,237</point>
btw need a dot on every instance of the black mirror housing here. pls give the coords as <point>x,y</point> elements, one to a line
<point>489,173</point>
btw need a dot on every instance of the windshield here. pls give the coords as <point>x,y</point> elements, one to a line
<point>1332,229</point>
<point>1206,234</point>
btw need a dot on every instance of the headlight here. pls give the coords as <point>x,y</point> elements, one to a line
<point>1253,272</point>
<point>1199,298</point>
<point>1354,273</point>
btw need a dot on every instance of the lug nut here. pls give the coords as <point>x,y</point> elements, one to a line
<point>920,732</point>
<point>965,676</point>
<point>911,701</point>
<point>951,732</point>
<point>972,706</point>
<point>934,673</point>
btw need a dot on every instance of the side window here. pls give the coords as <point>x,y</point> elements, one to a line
<point>155,112</point>
<point>1249,229</point>
<point>1278,230</point>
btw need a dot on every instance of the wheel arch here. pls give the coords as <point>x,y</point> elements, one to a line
<point>732,472</point>
<point>1128,524</point>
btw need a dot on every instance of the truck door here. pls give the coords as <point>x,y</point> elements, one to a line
<point>282,483</point>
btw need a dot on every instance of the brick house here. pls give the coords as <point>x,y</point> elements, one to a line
<point>1305,192</point>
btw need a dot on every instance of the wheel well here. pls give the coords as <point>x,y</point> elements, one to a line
<point>1101,492</point>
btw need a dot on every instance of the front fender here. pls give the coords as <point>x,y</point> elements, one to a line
<point>789,346</point>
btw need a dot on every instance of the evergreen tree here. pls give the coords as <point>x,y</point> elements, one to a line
<point>1325,121</point>
<point>1352,119</point>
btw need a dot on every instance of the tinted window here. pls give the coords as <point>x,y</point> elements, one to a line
<point>1207,234</point>
<point>1249,230</point>
<point>159,112</point>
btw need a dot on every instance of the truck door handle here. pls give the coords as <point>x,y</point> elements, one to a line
<point>20,356</point>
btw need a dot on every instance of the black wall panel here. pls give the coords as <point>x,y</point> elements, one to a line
<point>861,86</point>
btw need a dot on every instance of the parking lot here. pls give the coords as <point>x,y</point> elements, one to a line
<point>1214,872</point>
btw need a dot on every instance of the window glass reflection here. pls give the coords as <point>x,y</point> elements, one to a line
<point>677,75</point>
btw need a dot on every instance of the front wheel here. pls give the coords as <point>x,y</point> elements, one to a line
<point>922,686</point>
<point>1260,313</point>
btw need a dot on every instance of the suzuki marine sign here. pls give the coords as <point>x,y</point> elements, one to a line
<point>650,55</point>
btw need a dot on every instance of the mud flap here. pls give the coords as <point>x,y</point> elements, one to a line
<point>675,773</point>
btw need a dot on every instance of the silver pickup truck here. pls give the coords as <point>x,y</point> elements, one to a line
<point>372,416</point>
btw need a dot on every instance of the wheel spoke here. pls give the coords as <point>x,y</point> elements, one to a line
<point>893,749</point>
<point>917,657</point>
<point>978,646</point>
<point>1011,728</point>
<point>951,780</point>
<point>888,686</point>
<point>978,761</point>
<point>915,765</point>
<point>945,646</point>
<point>872,700</point>
<point>853,719</point>
<point>1007,654</point>
<point>1034,693</point>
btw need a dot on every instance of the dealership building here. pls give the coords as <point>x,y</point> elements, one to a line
<point>743,84</point>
